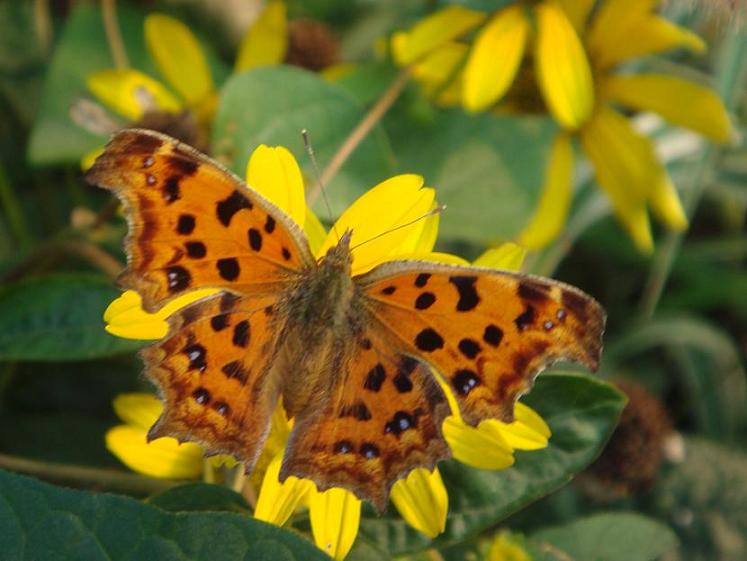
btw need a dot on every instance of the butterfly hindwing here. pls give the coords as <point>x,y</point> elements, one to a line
<point>487,332</point>
<point>192,223</point>
<point>214,373</point>
<point>383,419</point>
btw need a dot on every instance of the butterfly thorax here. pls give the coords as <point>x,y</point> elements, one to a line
<point>320,312</point>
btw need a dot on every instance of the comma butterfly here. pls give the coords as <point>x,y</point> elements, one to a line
<point>352,357</point>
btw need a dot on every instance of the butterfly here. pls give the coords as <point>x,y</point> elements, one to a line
<point>352,358</point>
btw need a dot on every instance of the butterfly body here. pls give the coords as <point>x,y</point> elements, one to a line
<point>354,358</point>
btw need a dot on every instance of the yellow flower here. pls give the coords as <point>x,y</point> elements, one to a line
<point>505,547</point>
<point>186,106</point>
<point>574,58</point>
<point>421,498</point>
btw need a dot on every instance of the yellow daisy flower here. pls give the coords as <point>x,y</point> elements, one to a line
<point>421,498</point>
<point>186,106</point>
<point>573,59</point>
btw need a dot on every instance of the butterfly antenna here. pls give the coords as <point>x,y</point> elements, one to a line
<point>318,175</point>
<point>438,210</point>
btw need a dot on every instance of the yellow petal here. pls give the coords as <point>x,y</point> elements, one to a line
<point>507,256</point>
<point>503,548</point>
<point>528,431</point>
<point>495,58</point>
<point>274,172</point>
<point>337,71</point>
<point>552,209</point>
<point>266,41</point>
<point>429,233</point>
<point>482,447</point>
<point>666,203</point>
<point>681,102</point>
<point>163,457</point>
<point>394,202</point>
<point>435,30</point>
<point>335,517</point>
<point>89,157</point>
<point>637,34</point>
<point>315,231</point>
<point>577,12</point>
<point>126,318</point>
<point>626,169</point>
<point>613,19</point>
<point>138,409</point>
<point>422,501</point>
<point>440,65</point>
<point>562,67</point>
<point>277,501</point>
<point>178,57</point>
<point>131,93</point>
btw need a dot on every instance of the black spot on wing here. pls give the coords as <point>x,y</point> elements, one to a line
<point>429,340</point>
<point>182,163</point>
<point>525,319</point>
<point>228,268</point>
<point>375,378</point>
<point>241,334</point>
<point>534,292</point>
<point>492,335</point>
<point>468,297</point>
<point>197,356</point>
<point>171,191</point>
<point>255,239</point>
<point>235,370</point>
<point>177,278</point>
<point>422,279</point>
<point>469,347</point>
<point>196,250</point>
<point>464,381</point>
<point>425,300</point>
<point>229,206</point>
<point>185,225</point>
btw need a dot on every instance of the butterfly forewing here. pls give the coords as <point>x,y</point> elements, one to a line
<point>193,224</point>
<point>487,332</point>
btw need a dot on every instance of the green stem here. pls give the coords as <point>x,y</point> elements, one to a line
<point>13,212</point>
<point>728,77</point>
<point>107,479</point>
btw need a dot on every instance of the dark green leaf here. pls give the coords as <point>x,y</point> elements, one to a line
<point>40,521</point>
<point>272,105</point>
<point>605,537</point>
<point>58,317</point>
<point>488,170</point>
<point>581,412</point>
<point>200,497</point>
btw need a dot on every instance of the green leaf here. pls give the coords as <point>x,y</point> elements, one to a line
<point>200,497</point>
<point>486,169</point>
<point>605,537</point>
<point>58,317</point>
<point>40,521</point>
<point>273,105</point>
<point>581,412</point>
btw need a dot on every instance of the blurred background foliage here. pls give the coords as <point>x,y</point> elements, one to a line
<point>674,474</point>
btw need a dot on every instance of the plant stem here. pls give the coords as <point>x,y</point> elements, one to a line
<point>374,115</point>
<point>108,479</point>
<point>731,71</point>
<point>113,36</point>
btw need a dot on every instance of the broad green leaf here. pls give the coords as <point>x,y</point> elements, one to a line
<point>40,521</point>
<point>487,169</point>
<point>273,105</point>
<point>605,537</point>
<point>57,318</point>
<point>581,412</point>
<point>200,497</point>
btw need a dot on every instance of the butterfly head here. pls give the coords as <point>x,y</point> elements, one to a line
<point>340,257</point>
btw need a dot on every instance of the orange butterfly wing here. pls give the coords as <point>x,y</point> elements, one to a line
<point>193,224</point>
<point>384,419</point>
<point>488,333</point>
